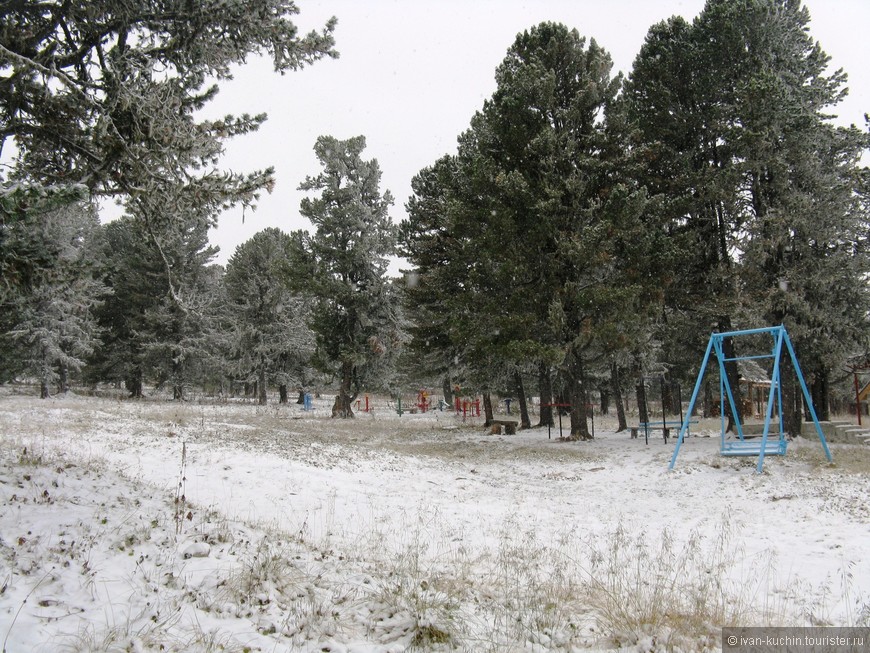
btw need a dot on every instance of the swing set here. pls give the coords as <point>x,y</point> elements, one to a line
<point>765,446</point>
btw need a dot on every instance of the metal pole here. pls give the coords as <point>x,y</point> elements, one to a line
<point>692,402</point>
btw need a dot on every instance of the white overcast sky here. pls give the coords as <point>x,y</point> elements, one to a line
<point>413,72</point>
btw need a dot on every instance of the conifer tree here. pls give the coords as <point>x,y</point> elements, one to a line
<point>752,183</point>
<point>97,92</point>
<point>540,219</point>
<point>356,320</point>
<point>48,313</point>
<point>266,315</point>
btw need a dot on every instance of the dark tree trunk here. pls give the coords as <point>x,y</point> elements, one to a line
<point>261,383</point>
<point>134,383</point>
<point>342,406</point>
<point>43,389</point>
<point>577,394</point>
<point>676,398</point>
<point>708,400</point>
<point>792,398</point>
<point>487,409</point>
<point>63,379</point>
<point>820,392</point>
<point>733,375</point>
<point>301,398</point>
<point>525,422</point>
<point>177,384</point>
<point>667,397</point>
<point>617,397</point>
<point>640,393</point>
<point>447,390</point>
<point>282,393</point>
<point>604,393</point>
<point>545,389</point>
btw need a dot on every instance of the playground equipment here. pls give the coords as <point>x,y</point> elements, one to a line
<point>367,409</point>
<point>741,446</point>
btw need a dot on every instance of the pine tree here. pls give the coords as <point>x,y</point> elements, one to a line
<point>50,327</point>
<point>156,327</point>
<point>97,92</point>
<point>805,261</point>
<point>107,95</point>
<point>538,220</point>
<point>268,318</point>
<point>355,316</point>
<point>752,182</point>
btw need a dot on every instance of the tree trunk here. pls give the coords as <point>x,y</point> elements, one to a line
<point>545,389</point>
<point>301,398</point>
<point>487,409</point>
<point>43,389</point>
<point>577,394</point>
<point>604,393</point>
<point>617,398</point>
<point>667,396</point>
<point>732,373</point>
<point>63,379</point>
<point>282,393</point>
<point>342,406</point>
<point>134,383</point>
<point>579,423</point>
<point>640,393</point>
<point>447,390</point>
<point>261,382</point>
<point>820,392</point>
<point>792,398</point>
<point>177,384</point>
<point>525,422</point>
<point>708,400</point>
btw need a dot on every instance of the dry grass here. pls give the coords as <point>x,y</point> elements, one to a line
<point>847,458</point>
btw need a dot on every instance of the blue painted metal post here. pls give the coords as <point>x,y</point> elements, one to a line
<point>723,376</point>
<point>800,376</point>
<point>774,381</point>
<point>692,401</point>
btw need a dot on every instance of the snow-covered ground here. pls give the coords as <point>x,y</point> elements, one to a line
<point>155,526</point>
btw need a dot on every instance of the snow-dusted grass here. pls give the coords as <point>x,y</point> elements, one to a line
<point>155,526</point>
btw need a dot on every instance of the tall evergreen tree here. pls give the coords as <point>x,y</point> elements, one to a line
<point>535,209</point>
<point>753,183</point>
<point>266,314</point>
<point>355,318</point>
<point>428,242</point>
<point>106,95</point>
<point>50,327</point>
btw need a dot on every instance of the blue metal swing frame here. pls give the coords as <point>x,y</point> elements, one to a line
<point>742,447</point>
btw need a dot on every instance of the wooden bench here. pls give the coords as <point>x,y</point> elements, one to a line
<point>510,426</point>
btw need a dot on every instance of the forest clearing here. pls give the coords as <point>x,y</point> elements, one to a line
<point>151,525</point>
